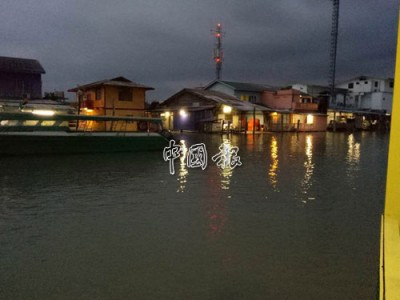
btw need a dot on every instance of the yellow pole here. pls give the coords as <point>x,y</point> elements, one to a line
<point>392,203</point>
<point>390,235</point>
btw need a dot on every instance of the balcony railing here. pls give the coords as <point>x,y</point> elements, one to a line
<point>306,106</point>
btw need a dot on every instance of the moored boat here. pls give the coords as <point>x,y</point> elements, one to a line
<point>43,133</point>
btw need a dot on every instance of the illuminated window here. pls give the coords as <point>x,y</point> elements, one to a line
<point>310,119</point>
<point>244,97</point>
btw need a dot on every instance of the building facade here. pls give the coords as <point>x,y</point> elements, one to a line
<point>111,97</point>
<point>210,111</point>
<point>293,111</point>
<point>20,78</point>
<point>322,95</point>
<point>369,93</point>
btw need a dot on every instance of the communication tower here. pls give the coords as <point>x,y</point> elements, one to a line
<point>334,39</point>
<point>218,52</point>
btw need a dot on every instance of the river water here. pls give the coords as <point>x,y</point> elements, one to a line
<point>299,219</point>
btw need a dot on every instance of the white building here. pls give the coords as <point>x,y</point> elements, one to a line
<point>369,93</point>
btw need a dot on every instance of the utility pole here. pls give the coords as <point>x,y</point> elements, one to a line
<point>218,53</point>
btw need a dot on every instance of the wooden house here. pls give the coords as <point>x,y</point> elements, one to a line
<point>20,78</point>
<point>210,111</point>
<point>111,97</point>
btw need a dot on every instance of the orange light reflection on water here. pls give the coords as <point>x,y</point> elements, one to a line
<point>273,166</point>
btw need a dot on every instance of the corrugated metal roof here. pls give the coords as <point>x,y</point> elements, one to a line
<point>20,65</point>
<point>7,105</point>
<point>243,86</point>
<point>118,81</point>
<point>219,98</point>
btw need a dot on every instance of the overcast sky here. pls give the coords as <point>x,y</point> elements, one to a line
<point>168,45</point>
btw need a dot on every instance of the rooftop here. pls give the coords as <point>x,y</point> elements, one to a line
<point>242,86</point>
<point>117,81</point>
<point>20,65</point>
<point>219,98</point>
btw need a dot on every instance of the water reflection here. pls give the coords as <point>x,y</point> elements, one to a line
<point>220,247</point>
<point>226,175</point>
<point>309,168</point>
<point>183,171</point>
<point>352,158</point>
<point>353,152</point>
<point>225,168</point>
<point>273,166</point>
<point>217,213</point>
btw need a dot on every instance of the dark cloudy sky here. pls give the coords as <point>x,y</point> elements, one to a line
<point>167,44</point>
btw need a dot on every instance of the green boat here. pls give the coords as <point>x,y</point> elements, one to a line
<point>42,132</point>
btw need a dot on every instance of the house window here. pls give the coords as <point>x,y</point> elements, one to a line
<point>125,94</point>
<point>376,84</point>
<point>366,82</point>
<point>244,97</point>
<point>98,94</point>
<point>391,84</point>
<point>252,99</point>
<point>357,82</point>
<point>351,85</point>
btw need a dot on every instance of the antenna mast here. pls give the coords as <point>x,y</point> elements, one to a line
<point>218,53</point>
<point>334,39</point>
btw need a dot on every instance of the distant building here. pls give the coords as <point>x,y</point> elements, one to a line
<point>58,96</point>
<point>369,93</point>
<point>249,92</point>
<point>20,78</point>
<point>112,97</point>
<point>322,95</point>
<point>209,110</point>
<point>293,111</point>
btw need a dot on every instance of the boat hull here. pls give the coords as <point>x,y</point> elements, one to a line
<point>21,143</point>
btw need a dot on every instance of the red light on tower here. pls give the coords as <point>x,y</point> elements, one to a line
<point>218,52</point>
